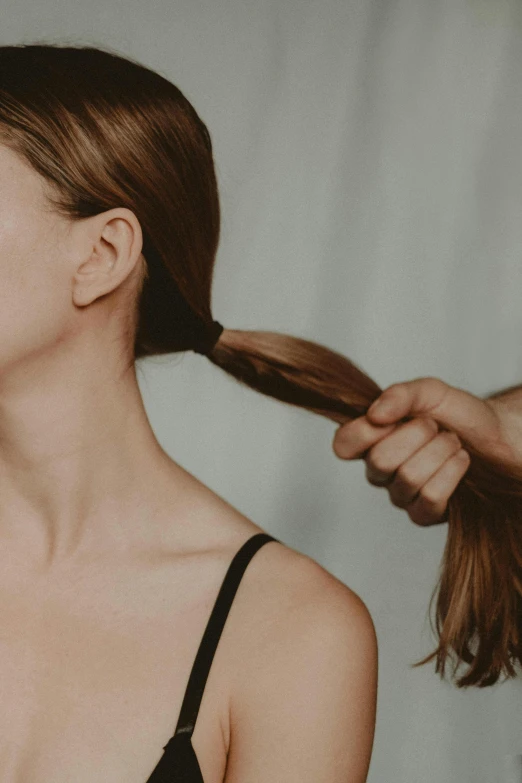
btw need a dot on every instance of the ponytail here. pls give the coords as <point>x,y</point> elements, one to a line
<point>478,613</point>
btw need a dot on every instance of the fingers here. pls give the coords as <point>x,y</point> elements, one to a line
<point>354,438</point>
<point>385,457</point>
<point>454,409</point>
<point>423,482</point>
<point>413,473</point>
<point>418,397</point>
<point>419,465</point>
<point>430,505</point>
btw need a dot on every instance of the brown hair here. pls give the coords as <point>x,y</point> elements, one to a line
<point>104,132</point>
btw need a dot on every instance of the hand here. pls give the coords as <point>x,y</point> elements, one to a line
<point>416,448</point>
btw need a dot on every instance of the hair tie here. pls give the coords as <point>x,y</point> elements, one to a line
<point>208,337</point>
<point>167,292</point>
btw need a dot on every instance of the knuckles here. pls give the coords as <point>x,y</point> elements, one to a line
<point>426,427</point>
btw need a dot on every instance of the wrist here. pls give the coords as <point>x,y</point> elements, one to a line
<point>508,412</point>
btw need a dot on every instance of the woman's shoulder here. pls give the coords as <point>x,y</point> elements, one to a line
<point>286,594</point>
<point>302,637</point>
<point>282,587</point>
<point>298,586</point>
<point>280,579</point>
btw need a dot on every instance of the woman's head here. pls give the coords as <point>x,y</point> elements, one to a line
<point>113,147</point>
<point>99,154</point>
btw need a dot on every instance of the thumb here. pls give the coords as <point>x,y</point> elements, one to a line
<point>454,409</point>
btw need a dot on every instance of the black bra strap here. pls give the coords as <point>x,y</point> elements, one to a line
<point>211,636</point>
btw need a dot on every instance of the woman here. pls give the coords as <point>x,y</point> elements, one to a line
<point>116,560</point>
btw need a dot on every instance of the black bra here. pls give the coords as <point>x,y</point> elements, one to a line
<point>179,763</point>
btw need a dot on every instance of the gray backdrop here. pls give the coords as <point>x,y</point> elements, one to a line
<point>369,156</point>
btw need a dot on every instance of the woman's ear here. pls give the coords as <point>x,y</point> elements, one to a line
<point>109,249</point>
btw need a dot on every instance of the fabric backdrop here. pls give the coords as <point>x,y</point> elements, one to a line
<point>369,157</point>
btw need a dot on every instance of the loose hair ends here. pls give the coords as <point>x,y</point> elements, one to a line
<point>478,615</point>
<point>478,612</point>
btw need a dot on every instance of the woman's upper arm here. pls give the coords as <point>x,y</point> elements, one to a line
<point>305,708</point>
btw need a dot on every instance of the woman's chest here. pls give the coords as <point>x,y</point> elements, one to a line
<point>91,687</point>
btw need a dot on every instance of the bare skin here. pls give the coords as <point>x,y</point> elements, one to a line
<point>95,658</point>
<point>110,550</point>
